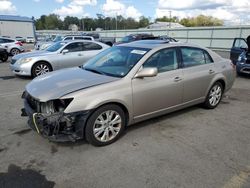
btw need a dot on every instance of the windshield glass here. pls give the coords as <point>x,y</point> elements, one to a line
<point>126,39</point>
<point>57,39</point>
<point>116,61</point>
<point>55,46</point>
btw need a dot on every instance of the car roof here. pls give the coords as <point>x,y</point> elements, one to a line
<point>151,44</point>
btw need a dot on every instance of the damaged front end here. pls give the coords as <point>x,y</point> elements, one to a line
<point>49,120</point>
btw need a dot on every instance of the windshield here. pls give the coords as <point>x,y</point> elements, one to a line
<point>116,61</point>
<point>55,46</point>
<point>57,39</point>
<point>127,39</point>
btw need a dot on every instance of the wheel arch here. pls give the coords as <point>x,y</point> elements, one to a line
<point>42,61</point>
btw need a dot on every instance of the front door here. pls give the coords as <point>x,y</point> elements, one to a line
<point>155,94</point>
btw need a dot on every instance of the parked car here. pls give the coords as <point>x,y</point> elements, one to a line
<point>123,85</point>
<point>3,54</point>
<point>46,44</point>
<point>106,40</point>
<point>60,55</point>
<point>239,46</point>
<point>135,37</point>
<point>30,40</point>
<point>13,46</point>
<point>20,39</point>
<point>243,61</point>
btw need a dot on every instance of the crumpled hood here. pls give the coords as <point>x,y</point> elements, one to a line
<point>31,54</point>
<point>59,83</point>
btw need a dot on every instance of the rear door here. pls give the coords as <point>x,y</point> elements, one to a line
<point>90,49</point>
<point>198,72</point>
<point>239,45</point>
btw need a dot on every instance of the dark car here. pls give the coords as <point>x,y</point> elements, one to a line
<point>134,37</point>
<point>240,55</point>
<point>3,54</point>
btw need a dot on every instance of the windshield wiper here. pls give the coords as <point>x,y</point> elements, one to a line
<point>93,70</point>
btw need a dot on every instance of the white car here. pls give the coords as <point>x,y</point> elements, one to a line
<point>60,55</point>
<point>30,40</point>
<point>12,46</point>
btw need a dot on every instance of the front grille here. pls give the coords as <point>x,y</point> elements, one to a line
<point>246,70</point>
<point>13,61</point>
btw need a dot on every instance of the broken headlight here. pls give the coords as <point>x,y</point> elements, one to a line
<point>58,105</point>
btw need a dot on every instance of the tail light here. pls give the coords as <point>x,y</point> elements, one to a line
<point>19,43</point>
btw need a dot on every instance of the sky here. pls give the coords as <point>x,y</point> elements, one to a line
<point>232,12</point>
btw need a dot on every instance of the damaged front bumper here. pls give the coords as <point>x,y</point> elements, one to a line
<point>58,126</point>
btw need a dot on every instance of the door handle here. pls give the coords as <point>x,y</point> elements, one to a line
<point>80,55</point>
<point>177,79</point>
<point>211,71</point>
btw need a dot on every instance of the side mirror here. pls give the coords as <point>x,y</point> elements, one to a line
<point>147,72</point>
<point>65,51</point>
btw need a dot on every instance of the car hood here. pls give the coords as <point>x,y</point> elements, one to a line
<point>32,54</point>
<point>59,83</point>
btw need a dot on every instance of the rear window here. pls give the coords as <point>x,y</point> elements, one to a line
<point>194,57</point>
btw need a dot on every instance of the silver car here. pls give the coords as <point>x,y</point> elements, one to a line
<point>60,55</point>
<point>123,85</point>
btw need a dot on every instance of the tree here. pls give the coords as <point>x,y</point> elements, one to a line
<point>201,20</point>
<point>143,22</point>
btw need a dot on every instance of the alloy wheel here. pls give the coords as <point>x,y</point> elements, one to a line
<point>107,126</point>
<point>215,95</point>
<point>41,69</point>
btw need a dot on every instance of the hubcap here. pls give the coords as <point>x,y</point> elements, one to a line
<point>15,52</point>
<point>107,126</point>
<point>215,95</point>
<point>41,69</point>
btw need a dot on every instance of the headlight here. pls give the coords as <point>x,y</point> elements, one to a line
<point>24,60</point>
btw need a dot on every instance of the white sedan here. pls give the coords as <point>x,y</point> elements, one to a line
<point>60,55</point>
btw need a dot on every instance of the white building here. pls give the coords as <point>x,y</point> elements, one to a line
<point>164,25</point>
<point>13,26</point>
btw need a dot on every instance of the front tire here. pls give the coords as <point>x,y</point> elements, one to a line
<point>4,57</point>
<point>214,96</point>
<point>40,68</point>
<point>105,125</point>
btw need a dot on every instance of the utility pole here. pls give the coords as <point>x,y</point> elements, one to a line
<point>116,22</point>
<point>170,18</point>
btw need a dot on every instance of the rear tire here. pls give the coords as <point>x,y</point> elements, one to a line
<point>14,51</point>
<point>40,68</point>
<point>214,96</point>
<point>105,125</point>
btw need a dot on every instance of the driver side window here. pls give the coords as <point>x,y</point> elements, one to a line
<point>74,47</point>
<point>164,60</point>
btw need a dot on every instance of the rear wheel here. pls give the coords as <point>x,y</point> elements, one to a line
<point>105,125</point>
<point>40,68</point>
<point>14,51</point>
<point>214,96</point>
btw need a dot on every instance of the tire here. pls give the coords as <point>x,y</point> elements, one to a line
<point>4,57</point>
<point>214,96</point>
<point>14,51</point>
<point>100,122</point>
<point>40,68</point>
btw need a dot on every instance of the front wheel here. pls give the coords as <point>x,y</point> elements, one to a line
<point>4,57</point>
<point>214,96</point>
<point>40,69</point>
<point>105,125</point>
